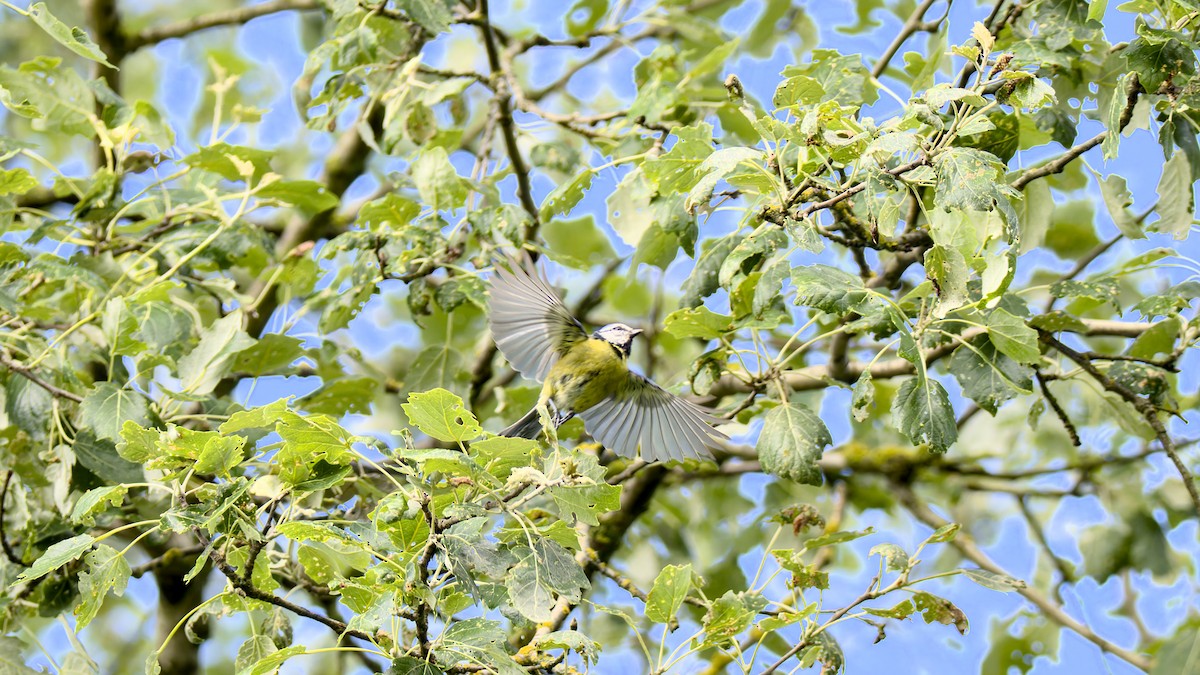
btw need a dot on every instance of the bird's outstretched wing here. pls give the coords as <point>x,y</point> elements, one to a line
<point>643,414</point>
<point>530,324</point>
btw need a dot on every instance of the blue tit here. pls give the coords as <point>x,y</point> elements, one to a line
<point>589,376</point>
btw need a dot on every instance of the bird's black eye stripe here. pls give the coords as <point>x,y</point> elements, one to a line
<point>621,350</point>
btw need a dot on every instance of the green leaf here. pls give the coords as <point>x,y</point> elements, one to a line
<point>629,210</point>
<point>1113,114</point>
<point>75,39</point>
<point>27,405</point>
<point>703,280</point>
<point>1101,290</point>
<point>203,367</point>
<point>947,268</point>
<point>798,89</point>
<point>480,640</point>
<point>435,366</point>
<point>102,458</point>
<point>731,614</point>
<point>252,651</point>
<point>408,665</point>
<point>572,640</point>
<point>499,455</point>
<point>262,417</point>
<point>791,442</point>
<point>95,501</point>
<point>56,556</point>
<point>1030,92</point>
<point>770,285</point>
<point>441,414</point>
<point>1157,60</point>
<point>437,182</point>
<point>944,533</point>
<point>270,663</point>
<point>678,169</point>
<point>219,454</point>
<point>1012,337</point>
<point>307,441</point>
<point>937,609</point>
<point>700,322</point>
<point>994,581</point>
<point>577,243</point>
<point>804,575</point>
<point>391,212</point>
<point>306,195</point>
<point>971,179</point>
<point>895,557</point>
<point>105,571</point>
<point>344,396</point>
<point>1180,653</point>
<point>987,376</point>
<point>107,407</point>
<point>750,252</point>
<point>842,78</point>
<point>229,161</point>
<point>271,353</point>
<point>585,503</point>
<point>828,289</point>
<point>432,15</point>
<point>1175,197</point>
<point>715,167</point>
<point>923,413</point>
<point>900,611</point>
<point>670,588</point>
<point>836,538</point>
<point>1117,200</point>
<point>862,396</point>
<point>941,94</point>
<point>563,198</point>
<point>16,181</point>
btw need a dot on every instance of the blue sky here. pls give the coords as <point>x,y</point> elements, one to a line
<point>272,43</point>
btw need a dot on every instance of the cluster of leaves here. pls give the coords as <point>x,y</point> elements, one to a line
<point>143,301</point>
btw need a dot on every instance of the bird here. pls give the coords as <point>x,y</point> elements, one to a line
<point>589,375</point>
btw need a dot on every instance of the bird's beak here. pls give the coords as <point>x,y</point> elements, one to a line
<point>638,331</point>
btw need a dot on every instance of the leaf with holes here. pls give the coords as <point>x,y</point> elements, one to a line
<point>441,414</point>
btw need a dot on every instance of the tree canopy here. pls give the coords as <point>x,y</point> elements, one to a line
<point>929,262</point>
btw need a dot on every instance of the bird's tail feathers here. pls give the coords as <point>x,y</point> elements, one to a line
<point>529,426</point>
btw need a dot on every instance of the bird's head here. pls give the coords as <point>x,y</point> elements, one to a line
<point>618,335</point>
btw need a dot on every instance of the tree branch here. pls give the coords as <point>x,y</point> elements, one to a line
<point>245,587</point>
<point>508,125</point>
<point>27,373</point>
<point>818,377</point>
<point>1060,163</point>
<point>967,547</point>
<point>232,17</point>
<point>1147,409</point>
<point>915,24</point>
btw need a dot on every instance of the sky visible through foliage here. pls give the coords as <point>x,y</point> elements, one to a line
<point>274,46</point>
<point>271,41</point>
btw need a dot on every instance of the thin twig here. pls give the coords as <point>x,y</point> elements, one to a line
<point>232,17</point>
<point>28,374</point>
<point>9,552</point>
<point>1058,409</point>
<point>249,590</point>
<point>967,547</point>
<point>915,24</point>
<point>1147,410</point>
<point>1060,163</point>
<point>508,126</point>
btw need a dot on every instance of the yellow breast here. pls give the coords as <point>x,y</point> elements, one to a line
<point>585,375</point>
